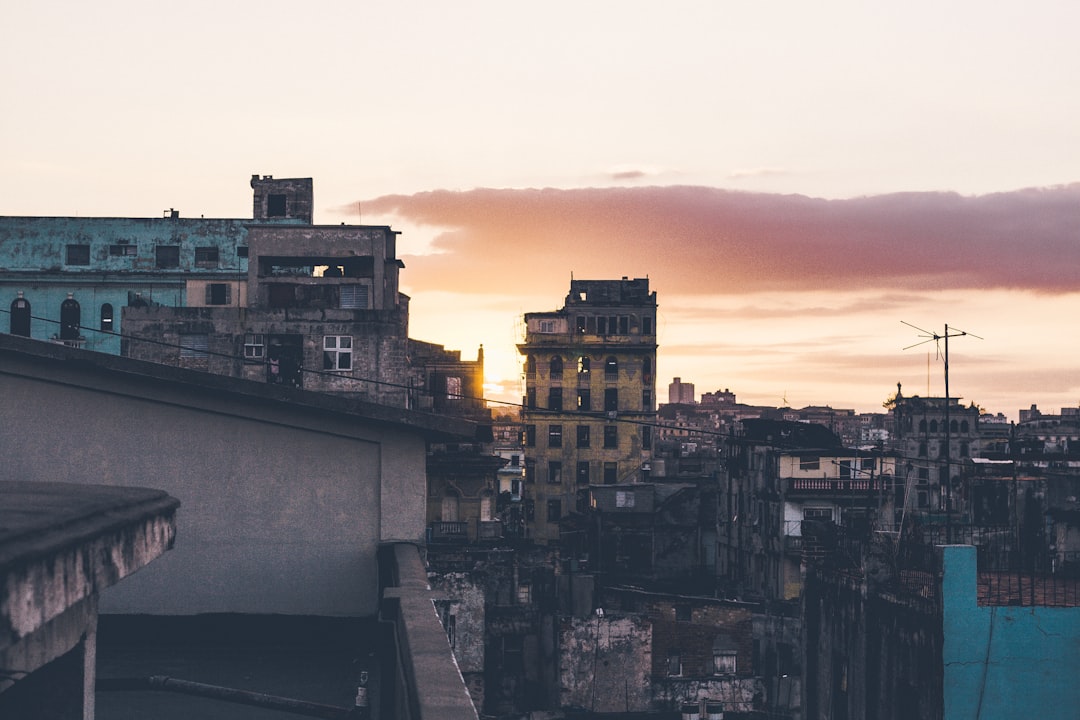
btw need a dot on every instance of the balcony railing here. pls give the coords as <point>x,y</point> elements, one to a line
<point>834,484</point>
<point>457,531</point>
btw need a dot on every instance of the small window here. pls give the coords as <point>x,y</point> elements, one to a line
<point>78,255</point>
<point>196,345</point>
<point>453,388</point>
<point>807,462</point>
<point>524,593</point>
<point>554,472</point>
<point>624,498</point>
<point>583,472</point>
<point>583,436</point>
<point>530,436</point>
<point>611,436</point>
<point>646,399</point>
<point>107,317</point>
<point>554,436</point>
<point>554,510</point>
<point>674,665</point>
<point>624,324</point>
<point>123,250</point>
<point>167,256</point>
<point>337,352</point>
<point>611,473</point>
<point>611,368</point>
<point>556,366</point>
<point>241,251</point>
<point>646,325</point>
<point>530,365</point>
<point>555,399</point>
<point>206,256</point>
<point>218,294</point>
<point>547,326</point>
<point>254,347</point>
<point>683,613</point>
<point>20,316</point>
<point>275,205</point>
<point>812,513</point>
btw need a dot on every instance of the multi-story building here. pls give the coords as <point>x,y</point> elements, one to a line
<point>680,392</point>
<point>590,378</point>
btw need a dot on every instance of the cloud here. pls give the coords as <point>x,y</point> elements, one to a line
<point>757,173</point>
<point>709,241</point>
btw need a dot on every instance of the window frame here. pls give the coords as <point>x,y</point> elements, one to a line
<point>336,353</point>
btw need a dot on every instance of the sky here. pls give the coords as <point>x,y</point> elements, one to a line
<point>797,180</point>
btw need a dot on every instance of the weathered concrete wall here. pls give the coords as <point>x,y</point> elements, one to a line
<point>1005,662</point>
<point>605,663</point>
<point>460,603</point>
<point>741,695</point>
<point>283,506</point>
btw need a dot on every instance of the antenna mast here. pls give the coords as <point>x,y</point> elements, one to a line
<point>933,336</point>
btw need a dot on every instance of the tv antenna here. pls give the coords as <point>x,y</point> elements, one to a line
<point>936,339</point>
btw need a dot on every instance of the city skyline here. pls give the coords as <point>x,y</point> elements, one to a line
<point>795,181</point>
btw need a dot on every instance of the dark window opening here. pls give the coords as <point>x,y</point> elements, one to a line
<point>611,399</point>
<point>555,399</point>
<point>275,205</point>
<point>107,317</point>
<point>611,473</point>
<point>646,438</point>
<point>646,326</point>
<point>624,324</point>
<point>218,294</point>
<point>555,436</point>
<point>584,400</point>
<point>78,255</point>
<point>206,256</point>
<point>242,251</point>
<point>583,436</point>
<point>20,317</point>
<point>70,319</point>
<point>556,366</point>
<point>580,324</point>
<point>167,256</point>
<point>195,345</point>
<point>611,368</point>
<point>123,250</point>
<point>285,359</point>
<point>554,510</point>
<point>611,436</point>
<point>530,365</point>
<point>530,398</point>
<point>554,472</point>
<point>530,436</point>
<point>583,472</point>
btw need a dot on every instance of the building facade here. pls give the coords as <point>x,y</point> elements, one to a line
<point>590,379</point>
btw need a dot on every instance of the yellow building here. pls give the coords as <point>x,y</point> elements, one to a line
<point>590,404</point>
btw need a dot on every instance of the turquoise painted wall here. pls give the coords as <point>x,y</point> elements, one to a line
<point>1005,662</point>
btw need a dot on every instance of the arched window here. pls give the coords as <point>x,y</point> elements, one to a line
<point>107,317</point>
<point>611,367</point>
<point>20,316</point>
<point>530,365</point>
<point>964,427</point>
<point>556,365</point>
<point>583,364</point>
<point>922,425</point>
<point>70,318</point>
<point>933,426</point>
<point>954,426</point>
<point>450,505</point>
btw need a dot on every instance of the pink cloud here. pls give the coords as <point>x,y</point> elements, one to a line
<point>701,240</point>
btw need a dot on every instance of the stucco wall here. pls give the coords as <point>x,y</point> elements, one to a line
<point>1005,662</point>
<point>281,511</point>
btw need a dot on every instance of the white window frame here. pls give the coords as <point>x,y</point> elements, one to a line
<point>254,346</point>
<point>337,352</point>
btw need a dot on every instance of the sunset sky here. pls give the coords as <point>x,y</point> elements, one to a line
<point>796,179</point>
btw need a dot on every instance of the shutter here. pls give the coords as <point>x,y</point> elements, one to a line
<point>354,297</point>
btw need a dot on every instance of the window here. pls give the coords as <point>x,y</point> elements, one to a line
<point>195,345</point>
<point>337,352</point>
<point>555,472</point>
<point>555,399</point>
<point>583,472</point>
<point>530,436</point>
<point>554,436</point>
<point>218,293</point>
<point>646,325</point>
<point>683,613</point>
<point>611,436</point>
<point>611,473</point>
<point>624,498</point>
<point>580,324</point>
<point>584,400</point>
<point>583,436</point>
<point>922,449</point>
<point>554,510</point>
<point>724,662</point>
<point>601,326</point>
<point>807,462</point>
<point>964,427</point>
<point>275,205</point>
<point>646,437</point>
<point>646,369</point>
<point>812,513</point>
<point>624,324</point>
<point>530,398</point>
<point>20,316</point>
<point>241,251</point>
<point>556,366</point>
<point>547,326</point>
<point>933,426</point>
<point>107,317</point>
<point>453,388</point>
<point>254,347</point>
<point>583,364</point>
<point>78,255</point>
<point>167,256</point>
<point>674,664</point>
<point>611,399</point>
<point>530,365</point>
<point>206,256</point>
<point>70,319</point>
<point>524,593</point>
<point>123,250</point>
<point>353,297</point>
<point>646,399</point>
<point>611,368</point>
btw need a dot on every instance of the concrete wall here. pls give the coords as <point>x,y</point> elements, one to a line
<point>1005,662</point>
<point>282,506</point>
<point>605,663</point>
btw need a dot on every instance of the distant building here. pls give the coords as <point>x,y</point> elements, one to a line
<point>590,397</point>
<point>680,392</point>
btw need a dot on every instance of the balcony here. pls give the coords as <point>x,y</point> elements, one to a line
<point>448,532</point>
<point>835,486</point>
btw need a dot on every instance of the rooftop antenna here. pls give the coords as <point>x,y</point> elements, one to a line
<point>933,336</point>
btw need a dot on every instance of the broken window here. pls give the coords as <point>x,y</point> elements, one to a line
<point>78,255</point>
<point>123,250</point>
<point>195,345</point>
<point>275,205</point>
<point>554,435</point>
<point>167,256</point>
<point>218,294</point>
<point>206,256</point>
<point>20,316</point>
<point>337,352</point>
<point>554,472</point>
<point>254,347</point>
<point>583,436</point>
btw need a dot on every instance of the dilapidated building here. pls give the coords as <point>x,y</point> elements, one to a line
<point>590,383</point>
